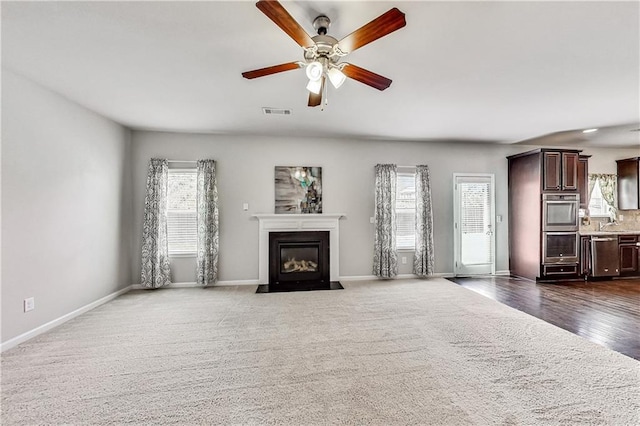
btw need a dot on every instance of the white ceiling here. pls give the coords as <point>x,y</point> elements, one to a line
<point>478,71</point>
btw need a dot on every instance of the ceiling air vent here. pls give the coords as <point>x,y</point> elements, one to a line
<point>276,111</point>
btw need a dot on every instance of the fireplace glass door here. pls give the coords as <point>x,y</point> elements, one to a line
<point>298,257</point>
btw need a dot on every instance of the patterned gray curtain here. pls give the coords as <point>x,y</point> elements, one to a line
<point>385,257</point>
<point>155,250</point>
<point>207,263</point>
<point>423,259</point>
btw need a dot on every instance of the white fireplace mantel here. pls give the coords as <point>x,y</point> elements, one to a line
<point>298,222</point>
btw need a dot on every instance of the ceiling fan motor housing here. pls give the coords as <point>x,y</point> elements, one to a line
<point>323,50</point>
<point>321,24</point>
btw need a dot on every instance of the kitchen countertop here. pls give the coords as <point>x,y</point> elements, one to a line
<point>612,232</point>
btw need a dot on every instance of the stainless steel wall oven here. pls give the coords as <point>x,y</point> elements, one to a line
<point>560,212</point>
<point>560,247</point>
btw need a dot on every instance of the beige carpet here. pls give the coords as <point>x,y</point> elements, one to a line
<point>384,353</point>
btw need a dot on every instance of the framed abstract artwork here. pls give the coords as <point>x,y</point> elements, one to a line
<point>298,189</point>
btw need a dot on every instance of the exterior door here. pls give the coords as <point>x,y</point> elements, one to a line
<point>474,224</point>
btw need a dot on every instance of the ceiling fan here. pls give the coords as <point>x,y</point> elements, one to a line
<point>322,53</point>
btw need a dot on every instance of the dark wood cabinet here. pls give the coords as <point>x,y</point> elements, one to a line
<point>585,255</point>
<point>532,174</point>
<point>560,171</point>
<point>569,171</point>
<point>583,180</point>
<point>629,253</point>
<point>628,183</point>
<point>551,176</point>
<point>628,260</point>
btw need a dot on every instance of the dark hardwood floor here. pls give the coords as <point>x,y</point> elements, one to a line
<point>605,312</point>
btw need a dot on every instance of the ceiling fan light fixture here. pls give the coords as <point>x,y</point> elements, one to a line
<point>336,77</point>
<point>314,86</point>
<point>314,71</point>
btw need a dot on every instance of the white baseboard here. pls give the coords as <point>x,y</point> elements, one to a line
<point>506,272</point>
<point>172,285</point>
<point>257,282</point>
<point>359,278</point>
<point>239,282</point>
<point>397,277</point>
<point>58,321</point>
<point>194,284</point>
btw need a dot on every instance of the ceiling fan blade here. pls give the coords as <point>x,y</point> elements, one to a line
<point>271,70</point>
<point>384,24</point>
<point>278,14</point>
<point>365,76</point>
<point>315,100</point>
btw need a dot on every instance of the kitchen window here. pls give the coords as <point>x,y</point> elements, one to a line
<point>181,212</point>
<point>598,205</point>
<point>406,210</point>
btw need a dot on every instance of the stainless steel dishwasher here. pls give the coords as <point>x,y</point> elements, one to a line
<point>605,261</point>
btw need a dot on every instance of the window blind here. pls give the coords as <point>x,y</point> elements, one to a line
<point>406,211</point>
<point>181,212</point>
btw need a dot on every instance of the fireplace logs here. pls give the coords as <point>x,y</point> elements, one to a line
<point>293,265</point>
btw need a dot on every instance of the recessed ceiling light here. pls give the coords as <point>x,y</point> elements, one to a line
<point>589,130</point>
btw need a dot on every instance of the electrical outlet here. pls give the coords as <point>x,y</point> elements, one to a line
<point>499,218</point>
<point>29,304</point>
<point>404,260</point>
<point>620,217</point>
<point>371,220</point>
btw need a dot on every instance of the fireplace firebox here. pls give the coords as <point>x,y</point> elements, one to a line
<point>299,260</point>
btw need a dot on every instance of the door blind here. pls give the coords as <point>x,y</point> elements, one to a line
<point>475,222</point>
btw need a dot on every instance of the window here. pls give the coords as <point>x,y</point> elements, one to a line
<point>406,211</point>
<point>181,212</point>
<point>598,206</point>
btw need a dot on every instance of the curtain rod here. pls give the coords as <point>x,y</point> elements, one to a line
<point>181,161</point>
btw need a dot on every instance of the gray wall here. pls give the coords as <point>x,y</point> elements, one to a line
<point>245,174</point>
<point>66,205</point>
<point>604,160</point>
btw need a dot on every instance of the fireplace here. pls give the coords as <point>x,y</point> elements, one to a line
<point>299,260</point>
<point>298,224</point>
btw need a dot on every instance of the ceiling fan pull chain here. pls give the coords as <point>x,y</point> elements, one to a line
<point>325,100</point>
